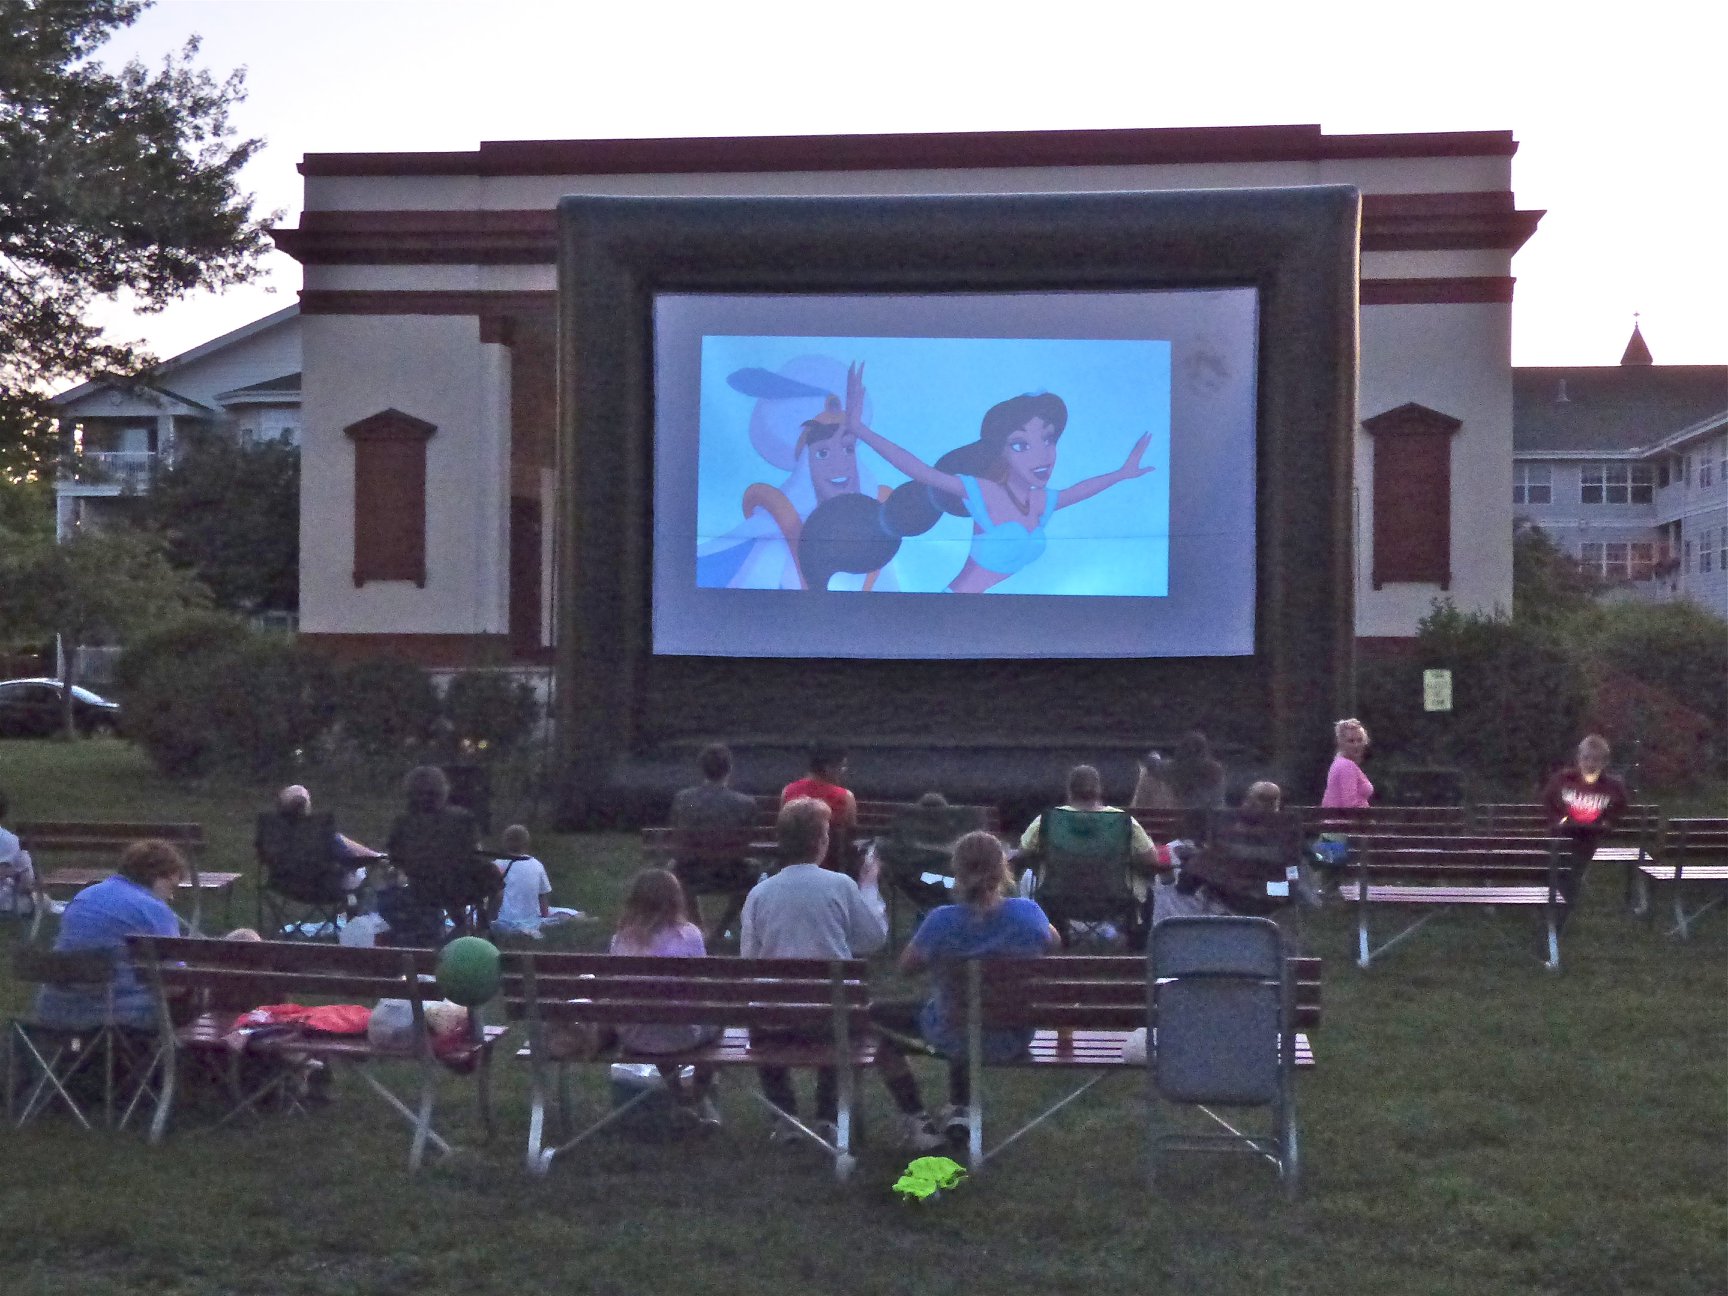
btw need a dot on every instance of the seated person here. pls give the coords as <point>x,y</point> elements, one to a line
<point>807,911</point>
<point>1584,802</point>
<point>1086,792</point>
<point>653,926</point>
<point>436,847</point>
<point>278,842</point>
<point>712,806</point>
<point>524,907</point>
<point>985,922</point>
<point>1250,864</point>
<point>17,876</point>
<point>827,768</point>
<point>134,902</point>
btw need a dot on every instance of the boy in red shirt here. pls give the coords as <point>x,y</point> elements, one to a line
<point>827,768</point>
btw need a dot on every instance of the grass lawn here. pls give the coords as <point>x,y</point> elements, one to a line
<point>1476,1125</point>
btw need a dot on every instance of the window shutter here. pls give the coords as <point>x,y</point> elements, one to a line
<point>390,497</point>
<point>1412,495</point>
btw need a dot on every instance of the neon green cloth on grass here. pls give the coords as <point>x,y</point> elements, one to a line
<point>927,1176</point>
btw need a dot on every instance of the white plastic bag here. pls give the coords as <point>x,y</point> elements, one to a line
<point>362,932</point>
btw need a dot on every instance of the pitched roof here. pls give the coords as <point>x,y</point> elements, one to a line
<point>286,386</point>
<point>1610,407</point>
<point>198,352</point>
<point>1637,349</point>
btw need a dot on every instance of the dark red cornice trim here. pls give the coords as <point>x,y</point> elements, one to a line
<point>1390,223</point>
<point>433,650</point>
<point>949,151</point>
<point>1436,292</point>
<point>488,305</point>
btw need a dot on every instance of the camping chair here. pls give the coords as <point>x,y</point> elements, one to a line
<point>1082,873</point>
<point>1221,993</point>
<point>48,1064</point>
<point>300,881</point>
<point>446,870</point>
<point>915,854</point>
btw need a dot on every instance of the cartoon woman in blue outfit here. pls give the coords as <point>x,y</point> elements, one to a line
<point>1001,481</point>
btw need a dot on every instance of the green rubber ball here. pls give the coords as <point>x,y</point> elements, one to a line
<point>468,971</point>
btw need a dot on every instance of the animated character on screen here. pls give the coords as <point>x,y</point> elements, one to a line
<point>797,425</point>
<point>1001,481</point>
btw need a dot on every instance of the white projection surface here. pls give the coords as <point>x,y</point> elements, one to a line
<point>1012,475</point>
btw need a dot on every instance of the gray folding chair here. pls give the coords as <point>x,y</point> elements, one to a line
<point>1221,995</point>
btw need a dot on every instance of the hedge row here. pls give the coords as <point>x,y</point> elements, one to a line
<point>207,694</point>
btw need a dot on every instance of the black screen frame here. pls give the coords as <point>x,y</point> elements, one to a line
<point>1298,247</point>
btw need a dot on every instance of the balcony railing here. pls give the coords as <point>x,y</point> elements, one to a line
<point>127,469</point>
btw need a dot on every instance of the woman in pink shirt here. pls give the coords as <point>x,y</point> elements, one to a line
<point>1347,787</point>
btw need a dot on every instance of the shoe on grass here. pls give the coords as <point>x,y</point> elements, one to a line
<point>957,1121</point>
<point>706,1113</point>
<point>919,1132</point>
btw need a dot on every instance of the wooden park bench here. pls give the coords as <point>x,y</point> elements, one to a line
<point>212,981</point>
<point>1438,873</point>
<point>821,999</point>
<point>1635,839</point>
<point>1082,1010</point>
<point>95,847</point>
<point>1692,858</point>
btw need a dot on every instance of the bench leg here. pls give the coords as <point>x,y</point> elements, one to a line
<point>1553,961</point>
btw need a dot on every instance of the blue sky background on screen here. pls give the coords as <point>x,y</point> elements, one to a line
<point>1617,110</point>
<point>928,396</point>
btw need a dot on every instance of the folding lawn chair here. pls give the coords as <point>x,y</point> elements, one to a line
<point>50,1065</point>
<point>300,882</point>
<point>1082,873</point>
<point>1222,996</point>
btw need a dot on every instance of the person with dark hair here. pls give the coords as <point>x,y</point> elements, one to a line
<point>1584,802</point>
<point>134,902</point>
<point>713,807</point>
<point>1195,779</point>
<point>827,768</point>
<point>436,846</point>
<point>1001,481</point>
<point>17,875</point>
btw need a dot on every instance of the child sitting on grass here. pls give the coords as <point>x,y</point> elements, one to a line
<point>654,924</point>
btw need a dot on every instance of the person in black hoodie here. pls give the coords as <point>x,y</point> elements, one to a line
<point>1585,802</point>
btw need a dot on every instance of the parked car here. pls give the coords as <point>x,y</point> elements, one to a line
<point>31,708</point>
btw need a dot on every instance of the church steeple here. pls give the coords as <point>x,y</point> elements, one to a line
<point>1637,351</point>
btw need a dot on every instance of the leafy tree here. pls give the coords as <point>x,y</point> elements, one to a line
<point>110,181</point>
<point>1549,586</point>
<point>96,585</point>
<point>230,514</point>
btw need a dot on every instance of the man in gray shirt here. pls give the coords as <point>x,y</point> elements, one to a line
<point>713,810</point>
<point>807,911</point>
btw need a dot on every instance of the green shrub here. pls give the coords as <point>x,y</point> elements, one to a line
<point>1519,697</point>
<point>1678,648</point>
<point>209,694</point>
<point>269,701</point>
<point>489,712</point>
<point>386,706</point>
<point>174,643</point>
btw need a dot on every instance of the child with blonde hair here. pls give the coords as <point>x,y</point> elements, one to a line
<point>655,924</point>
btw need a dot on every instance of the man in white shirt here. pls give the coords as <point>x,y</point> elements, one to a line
<point>17,878</point>
<point>807,911</point>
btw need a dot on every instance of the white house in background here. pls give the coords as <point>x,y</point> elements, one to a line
<point>430,301</point>
<point>244,384</point>
<point>1626,467</point>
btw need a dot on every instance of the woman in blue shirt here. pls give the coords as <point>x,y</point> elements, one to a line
<point>134,902</point>
<point>989,922</point>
